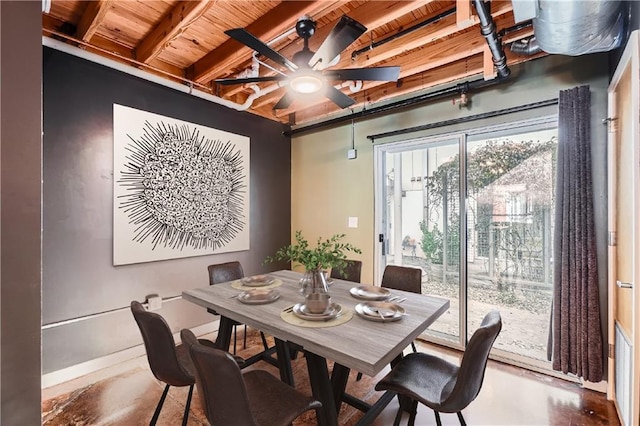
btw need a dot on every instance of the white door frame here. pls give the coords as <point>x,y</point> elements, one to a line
<point>630,58</point>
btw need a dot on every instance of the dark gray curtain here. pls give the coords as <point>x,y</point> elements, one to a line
<point>577,336</point>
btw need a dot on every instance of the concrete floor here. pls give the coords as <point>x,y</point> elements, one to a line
<point>128,393</point>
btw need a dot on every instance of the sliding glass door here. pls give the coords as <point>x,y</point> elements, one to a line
<point>474,212</point>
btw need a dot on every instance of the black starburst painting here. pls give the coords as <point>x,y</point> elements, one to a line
<point>181,190</point>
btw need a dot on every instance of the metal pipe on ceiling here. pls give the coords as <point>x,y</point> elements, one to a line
<point>488,30</point>
<point>466,119</point>
<point>526,47</point>
<point>404,32</point>
<point>416,100</point>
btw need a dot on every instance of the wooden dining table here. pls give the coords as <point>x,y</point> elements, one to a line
<point>361,344</point>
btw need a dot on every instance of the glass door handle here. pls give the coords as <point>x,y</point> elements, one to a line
<point>623,284</point>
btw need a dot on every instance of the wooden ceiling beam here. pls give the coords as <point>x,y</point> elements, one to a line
<point>467,43</point>
<point>170,27</point>
<point>230,54</point>
<point>419,38</point>
<point>464,15</point>
<point>372,15</point>
<point>92,18</point>
<point>430,54</point>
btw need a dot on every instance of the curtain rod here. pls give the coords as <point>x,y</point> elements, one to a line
<point>489,114</point>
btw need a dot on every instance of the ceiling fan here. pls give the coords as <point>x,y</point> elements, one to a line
<point>307,69</point>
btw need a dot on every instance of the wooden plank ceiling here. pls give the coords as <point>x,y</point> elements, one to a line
<point>185,42</point>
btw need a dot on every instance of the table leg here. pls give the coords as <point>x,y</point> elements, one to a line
<point>321,389</point>
<point>225,327</point>
<point>284,362</point>
<point>339,378</point>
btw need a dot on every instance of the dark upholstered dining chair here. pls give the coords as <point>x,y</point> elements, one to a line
<point>401,278</point>
<point>169,363</point>
<point>404,279</point>
<point>440,385</point>
<point>351,272</point>
<point>224,272</point>
<point>230,397</point>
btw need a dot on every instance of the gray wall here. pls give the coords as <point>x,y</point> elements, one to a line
<point>79,278</point>
<point>20,189</point>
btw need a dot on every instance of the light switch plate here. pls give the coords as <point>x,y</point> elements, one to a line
<point>352,153</point>
<point>352,222</point>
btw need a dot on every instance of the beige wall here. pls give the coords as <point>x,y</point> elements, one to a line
<point>327,188</point>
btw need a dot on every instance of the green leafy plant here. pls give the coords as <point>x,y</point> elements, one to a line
<point>328,253</point>
<point>431,243</point>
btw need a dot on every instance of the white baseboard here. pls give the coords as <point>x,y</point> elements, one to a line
<point>84,368</point>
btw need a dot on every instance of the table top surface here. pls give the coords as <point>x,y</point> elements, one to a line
<point>364,345</point>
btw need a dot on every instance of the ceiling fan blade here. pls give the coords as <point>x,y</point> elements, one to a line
<point>228,81</point>
<point>284,101</point>
<point>345,32</point>
<point>248,39</point>
<point>374,74</point>
<point>338,97</point>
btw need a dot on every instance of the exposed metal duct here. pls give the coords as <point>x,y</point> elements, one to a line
<point>573,27</point>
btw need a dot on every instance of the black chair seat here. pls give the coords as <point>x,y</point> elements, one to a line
<point>424,378</point>
<point>230,397</point>
<point>439,384</point>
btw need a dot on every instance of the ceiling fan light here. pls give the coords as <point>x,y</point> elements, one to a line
<point>306,83</point>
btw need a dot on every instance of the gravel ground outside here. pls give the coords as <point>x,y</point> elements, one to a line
<point>525,309</point>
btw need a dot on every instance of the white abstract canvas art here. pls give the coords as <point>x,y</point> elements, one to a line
<point>180,189</point>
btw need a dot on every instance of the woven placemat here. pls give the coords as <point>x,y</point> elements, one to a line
<point>291,318</point>
<point>237,284</point>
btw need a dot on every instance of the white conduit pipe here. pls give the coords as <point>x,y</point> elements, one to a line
<point>101,314</point>
<point>72,50</point>
<point>257,93</point>
<point>354,86</point>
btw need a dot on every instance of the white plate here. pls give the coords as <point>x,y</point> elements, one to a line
<point>300,310</point>
<point>380,311</point>
<point>369,292</point>
<point>258,296</point>
<point>257,281</point>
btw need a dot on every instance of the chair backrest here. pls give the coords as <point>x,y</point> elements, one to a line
<point>351,272</point>
<point>402,278</point>
<point>220,384</point>
<point>160,347</point>
<point>469,379</point>
<point>223,272</point>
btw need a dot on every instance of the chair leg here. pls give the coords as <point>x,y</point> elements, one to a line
<point>186,408</point>
<point>235,338</point>
<point>359,377</point>
<point>413,346</point>
<point>462,422</point>
<point>438,421</point>
<point>156,414</point>
<point>396,421</point>
<point>244,342</point>
<point>414,412</point>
